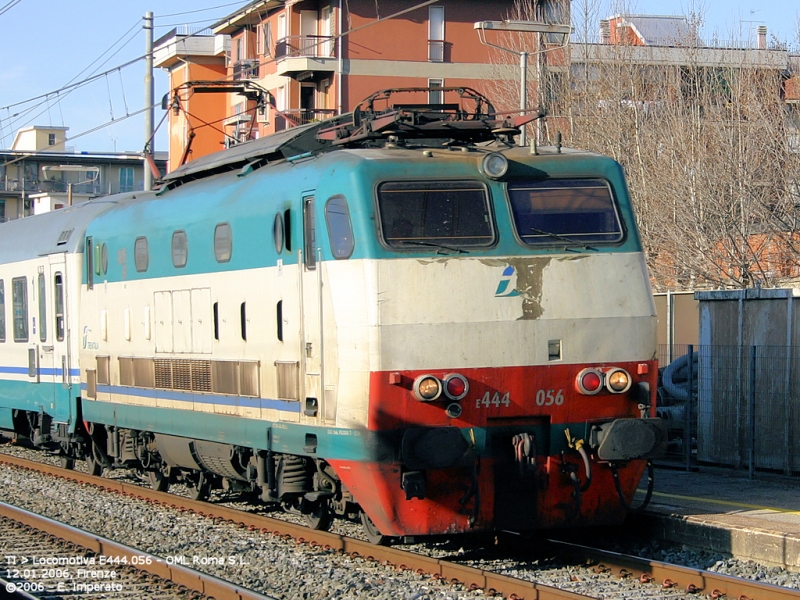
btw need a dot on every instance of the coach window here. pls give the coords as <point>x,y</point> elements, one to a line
<point>180,249</point>
<point>340,230</point>
<point>223,242</point>
<point>58,284</point>
<point>309,232</point>
<point>2,311</point>
<point>42,310</point>
<point>141,254</point>
<point>19,299</point>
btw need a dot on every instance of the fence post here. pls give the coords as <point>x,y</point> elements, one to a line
<point>751,414</point>
<point>687,413</point>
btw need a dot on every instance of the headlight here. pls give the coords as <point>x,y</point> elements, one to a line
<point>494,165</point>
<point>618,381</point>
<point>455,386</point>
<point>427,388</point>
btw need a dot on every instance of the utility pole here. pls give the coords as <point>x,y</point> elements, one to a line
<point>149,93</point>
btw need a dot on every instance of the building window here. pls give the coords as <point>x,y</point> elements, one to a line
<point>223,242</point>
<point>141,254</point>
<point>180,249</point>
<point>436,34</point>
<point>126,179</point>
<point>19,298</point>
<point>435,92</point>
<point>51,139</point>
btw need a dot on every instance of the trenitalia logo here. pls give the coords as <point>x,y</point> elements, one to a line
<point>504,288</point>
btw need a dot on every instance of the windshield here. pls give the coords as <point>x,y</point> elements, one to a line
<point>448,215</point>
<point>559,212</point>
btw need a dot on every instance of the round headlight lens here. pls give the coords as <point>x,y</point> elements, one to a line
<point>495,165</point>
<point>427,388</point>
<point>618,381</point>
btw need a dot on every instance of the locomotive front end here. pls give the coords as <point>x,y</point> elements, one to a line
<point>513,373</point>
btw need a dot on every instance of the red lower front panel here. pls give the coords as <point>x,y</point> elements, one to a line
<point>544,498</point>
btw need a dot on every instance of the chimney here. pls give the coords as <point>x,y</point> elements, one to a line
<point>761,37</point>
<point>605,31</point>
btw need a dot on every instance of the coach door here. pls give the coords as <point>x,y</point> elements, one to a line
<point>311,361</point>
<point>59,338</point>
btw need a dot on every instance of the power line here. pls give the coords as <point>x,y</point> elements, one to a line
<point>9,6</point>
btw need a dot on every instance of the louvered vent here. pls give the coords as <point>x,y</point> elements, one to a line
<point>201,375</point>
<point>163,369</point>
<point>182,375</point>
<point>288,380</point>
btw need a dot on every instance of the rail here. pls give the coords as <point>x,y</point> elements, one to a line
<point>670,577</point>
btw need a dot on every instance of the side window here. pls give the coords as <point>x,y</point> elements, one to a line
<point>141,254</point>
<point>180,249</point>
<point>277,232</point>
<point>58,285</point>
<point>19,298</point>
<point>223,242</point>
<point>2,311</point>
<point>42,309</point>
<point>340,230</point>
<point>89,252</point>
<point>309,232</point>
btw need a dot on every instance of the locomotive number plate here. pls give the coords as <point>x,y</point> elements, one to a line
<point>495,400</point>
<point>549,397</point>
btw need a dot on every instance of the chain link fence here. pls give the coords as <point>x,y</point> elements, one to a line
<point>732,405</point>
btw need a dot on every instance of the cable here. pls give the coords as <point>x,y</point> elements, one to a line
<point>9,6</point>
<point>188,12</point>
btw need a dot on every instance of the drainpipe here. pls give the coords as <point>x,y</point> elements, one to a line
<point>341,62</point>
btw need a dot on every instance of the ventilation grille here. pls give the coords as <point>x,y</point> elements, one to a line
<point>288,380</point>
<point>91,384</point>
<point>235,378</point>
<point>104,370</point>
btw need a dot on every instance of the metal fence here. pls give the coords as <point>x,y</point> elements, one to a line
<point>732,405</point>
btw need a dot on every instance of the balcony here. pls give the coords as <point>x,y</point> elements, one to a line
<point>305,57</point>
<point>301,116</point>
<point>245,69</point>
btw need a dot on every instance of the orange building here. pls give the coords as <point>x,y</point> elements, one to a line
<point>283,62</point>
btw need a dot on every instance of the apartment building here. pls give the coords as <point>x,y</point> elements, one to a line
<point>288,62</point>
<point>40,173</point>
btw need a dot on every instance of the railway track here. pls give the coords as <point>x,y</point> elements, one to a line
<point>657,579</point>
<point>46,559</point>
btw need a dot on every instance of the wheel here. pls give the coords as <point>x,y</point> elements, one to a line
<point>94,466</point>
<point>66,462</point>
<point>320,517</point>
<point>201,489</point>
<point>373,535</point>
<point>160,479</point>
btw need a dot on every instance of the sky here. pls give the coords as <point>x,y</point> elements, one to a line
<point>51,43</point>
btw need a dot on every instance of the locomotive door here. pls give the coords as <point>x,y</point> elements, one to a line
<point>58,338</point>
<point>312,343</point>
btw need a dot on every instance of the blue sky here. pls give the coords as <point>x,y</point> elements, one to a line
<point>50,43</point>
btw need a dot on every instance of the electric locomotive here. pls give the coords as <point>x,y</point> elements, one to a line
<point>396,315</point>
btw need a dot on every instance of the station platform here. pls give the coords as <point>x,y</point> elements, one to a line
<point>723,510</point>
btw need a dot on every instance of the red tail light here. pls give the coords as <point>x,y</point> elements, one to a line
<point>455,386</point>
<point>589,382</point>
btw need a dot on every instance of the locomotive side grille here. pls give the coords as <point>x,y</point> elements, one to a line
<point>225,377</point>
<point>181,375</point>
<point>91,384</point>
<point>163,368</point>
<point>144,374</point>
<point>125,371</point>
<point>201,375</point>
<point>288,380</point>
<point>248,378</point>
<point>103,370</point>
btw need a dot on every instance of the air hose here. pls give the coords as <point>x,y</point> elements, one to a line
<point>648,495</point>
<point>578,445</point>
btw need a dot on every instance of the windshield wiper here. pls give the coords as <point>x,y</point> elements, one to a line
<point>561,238</point>
<point>435,245</point>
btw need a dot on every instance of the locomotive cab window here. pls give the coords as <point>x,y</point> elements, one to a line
<point>554,212</point>
<point>443,214</point>
<point>340,231</point>
<point>180,249</point>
